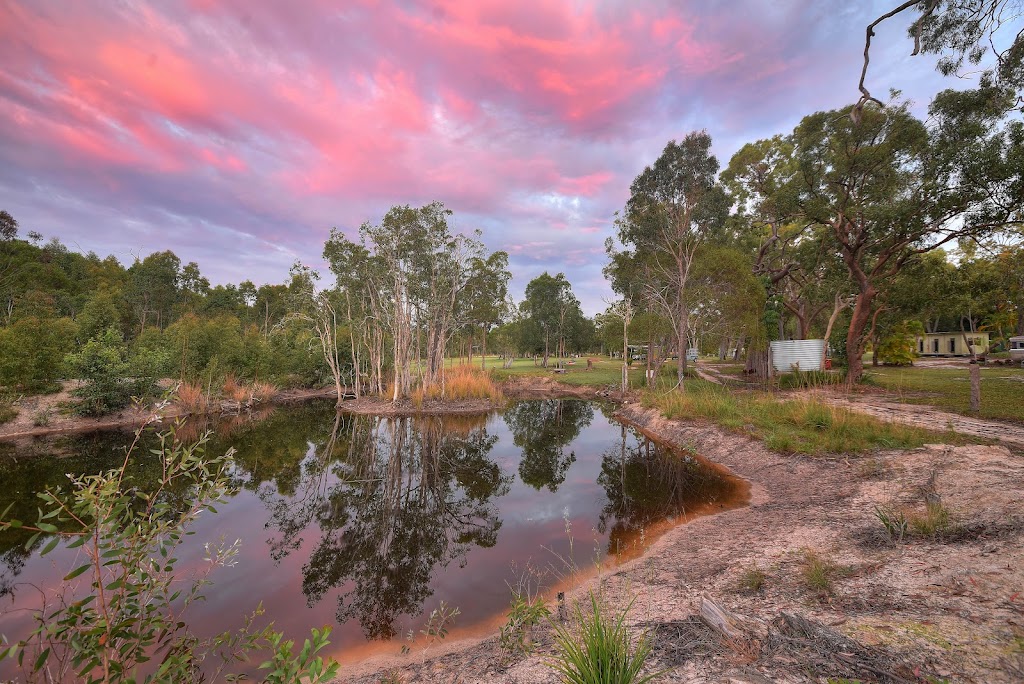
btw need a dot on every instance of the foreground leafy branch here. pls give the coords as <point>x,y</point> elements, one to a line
<point>119,614</point>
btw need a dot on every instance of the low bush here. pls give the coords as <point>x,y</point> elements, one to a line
<point>525,614</point>
<point>110,381</point>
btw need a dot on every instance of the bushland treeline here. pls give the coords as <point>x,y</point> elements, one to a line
<point>408,293</point>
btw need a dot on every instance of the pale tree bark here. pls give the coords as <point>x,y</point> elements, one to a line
<point>841,303</point>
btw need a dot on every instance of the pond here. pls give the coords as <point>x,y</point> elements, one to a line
<point>369,523</point>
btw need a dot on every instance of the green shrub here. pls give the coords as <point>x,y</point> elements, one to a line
<point>898,347</point>
<point>110,381</point>
<point>601,652</point>
<point>524,615</point>
<point>32,352</point>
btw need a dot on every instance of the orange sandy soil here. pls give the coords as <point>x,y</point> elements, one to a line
<point>932,609</point>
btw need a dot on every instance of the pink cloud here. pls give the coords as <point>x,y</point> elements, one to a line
<point>274,121</point>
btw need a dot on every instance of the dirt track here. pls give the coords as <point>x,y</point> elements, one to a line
<point>929,417</point>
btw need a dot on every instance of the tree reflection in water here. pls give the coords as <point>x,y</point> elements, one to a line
<point>542,429</point>
<point>647,482</point>
<point>395,499</point>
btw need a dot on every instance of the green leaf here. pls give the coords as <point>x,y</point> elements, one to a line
<point>41,660</point>
<point>50,546</point>
<point>76,572</point>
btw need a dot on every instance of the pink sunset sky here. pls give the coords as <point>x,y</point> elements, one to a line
<point>238,132</point>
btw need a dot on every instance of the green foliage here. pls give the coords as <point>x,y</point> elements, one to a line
<point>598,650</point>
<point>524,614</point>
<point>32,351</point>
<point>99,314</point>
<point>898,348</point>
<point>115,618</point>
<point>110,382</point>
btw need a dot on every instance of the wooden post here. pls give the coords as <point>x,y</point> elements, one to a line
<point>975,386</point>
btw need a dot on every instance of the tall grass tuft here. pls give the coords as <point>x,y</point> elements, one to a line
<point>601,652</point>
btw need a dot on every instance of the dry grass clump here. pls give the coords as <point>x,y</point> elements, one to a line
<point>233,389</point>
<point>466,382</point>
<point>804,425</point>
<point>262,391</point>
<point>461,382</point>
<point>191,397</point>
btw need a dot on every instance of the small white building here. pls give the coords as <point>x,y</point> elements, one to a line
<point>1017,348</point>
<point>952,343</point>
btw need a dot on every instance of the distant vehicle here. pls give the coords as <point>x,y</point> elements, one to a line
<point>691,354</point>
<point>1017,349</point>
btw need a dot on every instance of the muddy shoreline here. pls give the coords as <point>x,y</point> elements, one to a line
<point>23,427</point>
<point>946,608</point>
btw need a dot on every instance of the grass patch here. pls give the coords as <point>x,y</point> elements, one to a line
<point>7,413</point>
<point>819,573</point>
<point>811,379</point>
<point>795,426</point>
<point>950,389</point>
<point>752,580</point>
<point>604,371</point>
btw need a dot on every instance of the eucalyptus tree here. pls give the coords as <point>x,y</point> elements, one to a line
<point>548,306</point>
<point>676,207</point>
<point>153,287</point>
<point>317,310</point>
<point>8,226</point>
<point>889,188</point>
<point>793,257</point>
<point>1010,266</point>
<point>985,35</point>
<point>485,296</point>
<point>409,285</point>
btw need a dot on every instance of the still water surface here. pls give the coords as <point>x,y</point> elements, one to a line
<point>368,523</point>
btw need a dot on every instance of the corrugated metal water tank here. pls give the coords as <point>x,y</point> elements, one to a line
<point>788,355</point>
